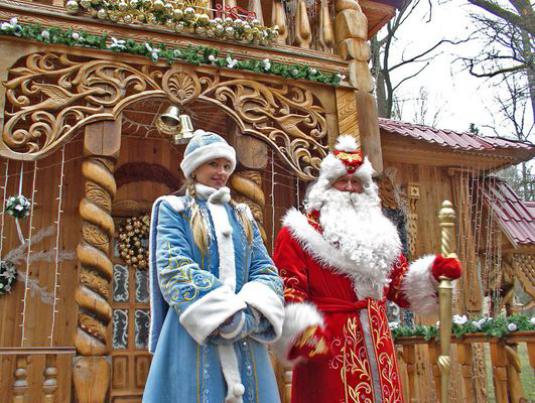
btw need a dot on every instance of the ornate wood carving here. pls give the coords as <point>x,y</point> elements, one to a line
<point>55,94</point>
<point>50,379</point>
<point>278,17</point>
<point>247,186</point>
<point>303,32</point>
<point>524,266</point>
<point>101,146</point>
<point>20,386</point>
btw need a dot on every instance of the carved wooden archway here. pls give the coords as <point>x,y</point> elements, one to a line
<point>51,96</point>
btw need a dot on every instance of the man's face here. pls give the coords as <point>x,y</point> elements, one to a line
<point>348,183</point>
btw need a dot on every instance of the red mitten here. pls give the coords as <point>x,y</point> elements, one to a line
<point>446,267</point>
<point>311,344</point>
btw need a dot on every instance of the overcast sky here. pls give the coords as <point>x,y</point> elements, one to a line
<point>463,99</point>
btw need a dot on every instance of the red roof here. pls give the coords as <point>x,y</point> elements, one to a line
<point>448,138</point>
<point>515,216</point>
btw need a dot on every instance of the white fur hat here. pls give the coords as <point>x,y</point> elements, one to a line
<point>203,147</point>
<point>346,158</point>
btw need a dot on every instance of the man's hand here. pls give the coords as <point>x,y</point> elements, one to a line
<point>446,267</point>
<point>312,344</point>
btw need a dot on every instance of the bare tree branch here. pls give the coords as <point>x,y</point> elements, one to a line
<point>526,24</point>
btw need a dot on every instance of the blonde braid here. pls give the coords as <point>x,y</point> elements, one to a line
<point>244,220</point>
<point>198,226</point>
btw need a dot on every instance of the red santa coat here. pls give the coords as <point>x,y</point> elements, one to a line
<point>319,290</point>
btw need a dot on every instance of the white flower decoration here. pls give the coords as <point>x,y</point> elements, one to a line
<point>75,36</point>
<point>460,319</point>
<point>393,325</point>
<point>231,63</point>
<point>532,321</point>
<point>154,52</point>
<point>267,64</point>
<point>313,71</point>
<point>45,34</point>
<point>117,44</point>
<point>512,327</point>
<point>211,58</point>
<point>341,76</point>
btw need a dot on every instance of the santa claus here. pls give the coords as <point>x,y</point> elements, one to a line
<point>340,264</point>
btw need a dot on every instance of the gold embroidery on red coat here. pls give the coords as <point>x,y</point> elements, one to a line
<point>352,363</point>
<point>385,353</point>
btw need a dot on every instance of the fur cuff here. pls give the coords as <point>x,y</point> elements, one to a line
<point>298,317</point>
<point>420,287</point>
<point>206,314</point>
<point>267,302</point>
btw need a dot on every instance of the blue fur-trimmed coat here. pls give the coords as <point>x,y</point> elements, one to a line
<point>192,295</point>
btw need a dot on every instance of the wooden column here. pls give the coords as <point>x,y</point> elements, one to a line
<point>91,372</point>
<point>303,33</point>
<point>278,17</point>
<point>434,352</point>
<point>409,356</point>
<point>514,367</point>
<point>464,355</point>
<point>499,369</point>
<point>351,35</point>
<point>20,386</point>
<point>50,379</point>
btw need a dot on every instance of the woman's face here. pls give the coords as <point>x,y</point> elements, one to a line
<point>348,183</point>
<point>214,173</point>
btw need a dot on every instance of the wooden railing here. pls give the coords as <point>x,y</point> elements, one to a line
<point>504,361</point>
<point>36,374</point>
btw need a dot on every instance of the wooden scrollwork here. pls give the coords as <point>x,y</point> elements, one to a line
<point>52,95</point>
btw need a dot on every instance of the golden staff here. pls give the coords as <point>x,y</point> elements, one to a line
<point>446,216</point>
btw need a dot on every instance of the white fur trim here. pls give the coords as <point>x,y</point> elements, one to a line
<point>297,318</point>
<point>177,203</point>
<point>207,153</point>
<point>347,143</point>
<point>332,168</point>
<point>313,242</point>
<point>365,172</point>
<point>206,314</point>
<point>420,287</point>
<point>231,373</point>
<point>266,301</point>
<point>225,245</point>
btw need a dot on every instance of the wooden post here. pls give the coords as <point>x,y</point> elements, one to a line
<point>256,7</point>
<point>499,369</point>
<point>409,355</point>
<point>326,32</point>
<point>447,225</point>
<point>433,357</point>
<point>303,33</point>
<point>464,355</point>
<point>50,379</point>
<point>278,17</point>
<point>20,386</point>
<point>351,36</point>
<point>514,367</point>
<point>91,373</point>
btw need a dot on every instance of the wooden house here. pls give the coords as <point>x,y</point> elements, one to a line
<point>84,83</point>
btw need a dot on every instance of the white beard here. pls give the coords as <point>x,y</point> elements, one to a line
<point>356,226</point>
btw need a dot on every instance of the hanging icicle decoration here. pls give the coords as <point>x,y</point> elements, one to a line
<point>56,248</point>
<point>28,255</point>
<point>4,190</point>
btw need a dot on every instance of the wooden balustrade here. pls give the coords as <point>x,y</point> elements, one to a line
<point>504,361</point>
<point>38,375</point>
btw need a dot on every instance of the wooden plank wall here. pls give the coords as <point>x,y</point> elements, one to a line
<point>38,314</point>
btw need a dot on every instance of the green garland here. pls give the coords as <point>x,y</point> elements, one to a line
<point>195,55</point>
<point>462,326</point>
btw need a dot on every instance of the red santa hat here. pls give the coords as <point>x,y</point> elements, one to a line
<point>346,158</point>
